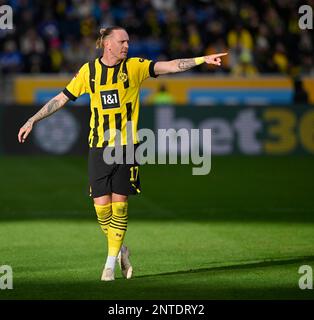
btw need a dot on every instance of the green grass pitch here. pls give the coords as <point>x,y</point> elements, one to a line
<point>241,232</point>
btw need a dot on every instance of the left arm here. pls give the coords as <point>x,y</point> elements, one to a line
<point>180,65</point>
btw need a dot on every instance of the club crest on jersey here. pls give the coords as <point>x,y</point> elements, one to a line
<point>123,76</point>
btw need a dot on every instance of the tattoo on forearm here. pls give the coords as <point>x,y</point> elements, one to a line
<point>186,64</point>
<point>52,106</point>
<point>49,108</point>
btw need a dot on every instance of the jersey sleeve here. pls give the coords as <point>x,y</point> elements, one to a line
<point>144,68</point>
<point>77,86</point>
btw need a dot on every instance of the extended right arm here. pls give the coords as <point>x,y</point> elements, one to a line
<point>49,108</point>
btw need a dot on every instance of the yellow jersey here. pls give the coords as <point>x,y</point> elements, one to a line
<point>114,98</point>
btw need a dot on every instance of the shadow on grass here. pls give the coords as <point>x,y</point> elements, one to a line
<point>240,265</point>
<point>150,290</point>
<point>205,283</point>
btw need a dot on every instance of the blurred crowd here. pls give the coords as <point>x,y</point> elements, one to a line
<point>55,36</point>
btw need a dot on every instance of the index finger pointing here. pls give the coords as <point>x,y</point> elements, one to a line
<point>220,54</point>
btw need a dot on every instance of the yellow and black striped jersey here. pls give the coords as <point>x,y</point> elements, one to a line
<point>114,98</point>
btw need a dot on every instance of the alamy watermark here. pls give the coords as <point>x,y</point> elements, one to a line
<point>306,280</point>
<point>168,146</point>
<point>306,20</point>
<point>6,17</point>
<point>6,277</point>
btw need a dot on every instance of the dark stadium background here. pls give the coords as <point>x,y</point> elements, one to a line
<point>240,232</point>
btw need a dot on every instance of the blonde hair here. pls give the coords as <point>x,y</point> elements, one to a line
<point>105,32</point>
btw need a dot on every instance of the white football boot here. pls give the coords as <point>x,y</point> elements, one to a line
<point>107,275</point>
<point>124,263</point>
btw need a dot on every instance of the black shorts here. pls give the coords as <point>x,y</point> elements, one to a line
<point>106,178</point>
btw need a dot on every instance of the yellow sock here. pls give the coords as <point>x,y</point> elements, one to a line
<point>104,214</point>
<point>117,228</point>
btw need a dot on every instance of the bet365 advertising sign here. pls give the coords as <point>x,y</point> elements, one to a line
<point>246,130</point>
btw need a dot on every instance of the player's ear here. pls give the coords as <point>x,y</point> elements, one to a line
<point>107,44</point>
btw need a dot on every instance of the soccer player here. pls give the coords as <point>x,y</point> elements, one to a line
<point>113,82</point>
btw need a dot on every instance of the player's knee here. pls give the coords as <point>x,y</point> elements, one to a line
<point>103,200</point>
<point>120,209</point>
<point>119,197</point>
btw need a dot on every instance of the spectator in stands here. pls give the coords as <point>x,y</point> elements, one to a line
<point>239,42</point>
<point>269,30</point>
<point>240,38</point>
<point>307,65</point>
<point>162,97</point>
<point>245,66</point>
<point>163,4</point>
<point>280,58</point>
<point>10,59</point>
<point>33,49</point>
<point>300,94</point>
<point>194,39</point>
